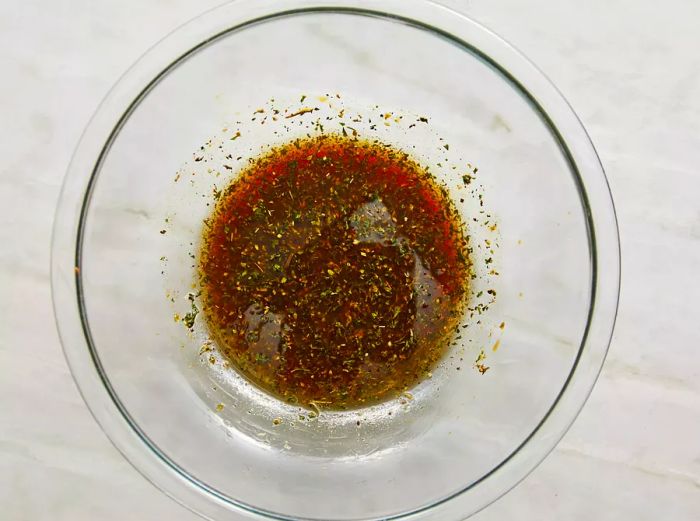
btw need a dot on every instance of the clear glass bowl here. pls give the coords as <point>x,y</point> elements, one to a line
<point>206,437</point>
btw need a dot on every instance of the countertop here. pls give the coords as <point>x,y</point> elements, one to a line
<point>631,70</point>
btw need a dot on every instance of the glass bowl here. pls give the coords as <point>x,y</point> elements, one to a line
<point>129,222</point>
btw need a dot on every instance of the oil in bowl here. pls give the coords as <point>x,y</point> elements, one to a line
<point>334,271</point>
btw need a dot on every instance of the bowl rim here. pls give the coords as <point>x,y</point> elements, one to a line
<point>136,83</point>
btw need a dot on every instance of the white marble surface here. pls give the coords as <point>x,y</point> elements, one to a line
<point>630,68</point>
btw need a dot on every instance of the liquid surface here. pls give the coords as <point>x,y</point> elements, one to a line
<point>333,272</point>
